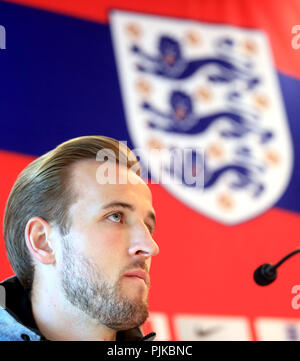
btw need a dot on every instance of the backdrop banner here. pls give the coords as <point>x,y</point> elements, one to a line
<point>207,94</point>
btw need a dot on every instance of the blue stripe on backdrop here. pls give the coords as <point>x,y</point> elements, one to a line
<point>59,81</point>
<point>291,91</point>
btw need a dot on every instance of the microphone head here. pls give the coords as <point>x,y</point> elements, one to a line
<point>264,274</point>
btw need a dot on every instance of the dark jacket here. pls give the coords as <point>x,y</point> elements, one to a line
<point>17,321</point>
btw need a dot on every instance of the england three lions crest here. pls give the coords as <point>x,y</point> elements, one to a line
<point>211,91</point>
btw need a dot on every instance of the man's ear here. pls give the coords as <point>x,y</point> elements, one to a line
<point>37,232</point>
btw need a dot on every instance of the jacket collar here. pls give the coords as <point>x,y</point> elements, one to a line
<point>17,321</point>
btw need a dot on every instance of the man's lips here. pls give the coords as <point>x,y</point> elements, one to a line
<point>137,273</point>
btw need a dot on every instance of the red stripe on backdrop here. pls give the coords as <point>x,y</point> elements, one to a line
<point>13,164</point>
<point>206,267</point>
<point>275,17</point>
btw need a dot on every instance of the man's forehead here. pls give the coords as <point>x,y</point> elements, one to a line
<point>86,181</point>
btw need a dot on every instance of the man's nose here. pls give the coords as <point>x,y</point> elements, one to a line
<point>143,243</point>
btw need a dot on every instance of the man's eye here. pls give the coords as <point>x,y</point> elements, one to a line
<point>116,217</point>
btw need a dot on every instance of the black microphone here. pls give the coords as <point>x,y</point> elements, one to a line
<point>267,273</point>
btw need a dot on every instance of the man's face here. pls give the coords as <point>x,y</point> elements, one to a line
<point>111,234</point>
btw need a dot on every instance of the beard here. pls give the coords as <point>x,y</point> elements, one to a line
<point>85,287</point>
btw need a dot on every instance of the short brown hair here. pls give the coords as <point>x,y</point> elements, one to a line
<point>43,189</point>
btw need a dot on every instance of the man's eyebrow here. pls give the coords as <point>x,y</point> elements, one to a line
<point>118,204</point>
<point>127,206</point>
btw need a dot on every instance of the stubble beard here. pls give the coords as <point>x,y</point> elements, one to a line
<point>85,288</point>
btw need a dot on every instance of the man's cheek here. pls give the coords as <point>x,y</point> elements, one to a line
<point>112,240</point>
